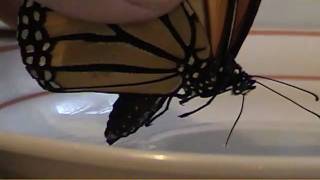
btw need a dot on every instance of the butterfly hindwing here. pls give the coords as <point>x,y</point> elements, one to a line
<point>130,112</point>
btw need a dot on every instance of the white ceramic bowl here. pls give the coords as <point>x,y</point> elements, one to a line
<point>61,135</point>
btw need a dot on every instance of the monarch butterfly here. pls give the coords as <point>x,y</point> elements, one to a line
<point>147,64</point>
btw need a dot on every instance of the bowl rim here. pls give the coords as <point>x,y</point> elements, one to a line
<point>189,164</point>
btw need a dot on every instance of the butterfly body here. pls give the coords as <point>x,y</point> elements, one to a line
<point>217,79</point>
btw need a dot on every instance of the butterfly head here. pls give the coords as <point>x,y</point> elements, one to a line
<point>231,77</point>
<point>242,83</point>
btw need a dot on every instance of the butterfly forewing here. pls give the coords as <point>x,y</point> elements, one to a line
<point>231,21</point>
<point>220,14</point>
<point>246,11</point>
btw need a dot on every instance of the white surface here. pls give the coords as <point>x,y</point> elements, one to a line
<point>281,55</point>
<point>14,79</point>
<point>271,135</point>
<point>297,14</point>
<point>261,131</point>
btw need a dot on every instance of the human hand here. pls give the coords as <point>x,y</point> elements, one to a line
<point>112,11</point>
<point>103,11</point>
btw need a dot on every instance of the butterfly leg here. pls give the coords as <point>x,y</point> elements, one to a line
<point>185,100</point>
<point>199,109</point>
<point>187,93</point>
<point>161,113</point>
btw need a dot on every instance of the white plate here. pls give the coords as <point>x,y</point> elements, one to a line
<point>62,134</point>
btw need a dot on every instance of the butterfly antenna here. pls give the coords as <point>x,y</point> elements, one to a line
<point>199,109</point>
<point>237,120</point>
<point>290,85</point>
<point>184,101</point>
<point>294,102</point>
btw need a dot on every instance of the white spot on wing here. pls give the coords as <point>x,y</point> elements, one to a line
<point>42,61</point>
<point>195,75</point>
<point>36,16</point>
<point>29,60</point>
<point>46,46</point>
<point>203,65</point>
<point>54,85</point>
<point>30,49</point>
<point>38,36</point>
<point>34,73</point>
<point>25,19</point>
<point>191,60</point>
<point>29,3</point>
<point>237,71</point>
<point>47,75</point>
<point>181,69</point>
<point>24,34</point>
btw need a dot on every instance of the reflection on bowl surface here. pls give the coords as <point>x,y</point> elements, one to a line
<point>82,118</point>
<point>246,142</point>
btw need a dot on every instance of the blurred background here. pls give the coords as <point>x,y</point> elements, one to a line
<point>298,14</point>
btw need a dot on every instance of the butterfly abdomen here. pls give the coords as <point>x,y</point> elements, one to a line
<point>130,113</point>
